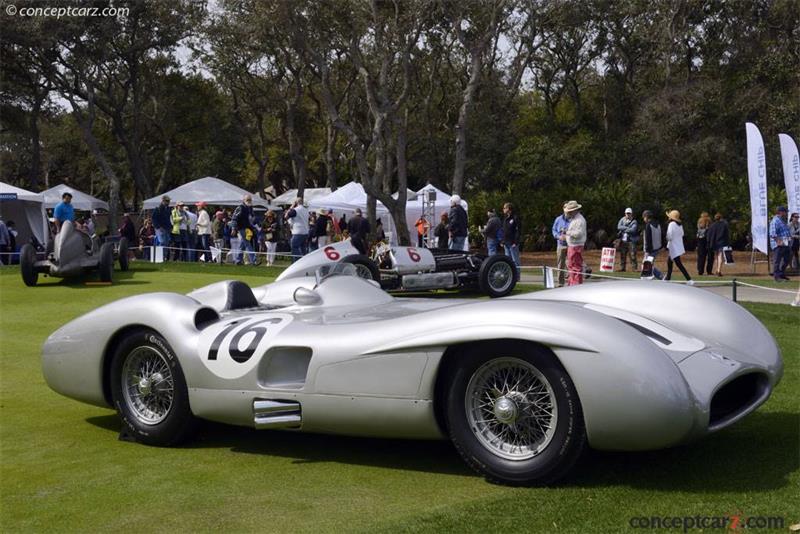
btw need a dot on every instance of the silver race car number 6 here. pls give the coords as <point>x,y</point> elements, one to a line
<point>228,349</point>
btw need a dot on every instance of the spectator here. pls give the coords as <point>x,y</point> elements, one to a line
<point>651,236</point>
<point>321,228</point>
<point>705,259</point>
<point>718,236</point>
<point>342,223</point>
<point>271,236</point>
<point>218,233</point>
<point>779,241</point>
<point>675,245</point>
<point>297,217</point>
<point>162,223</point>
<point>559,230</point>
<point>380,235</point>
<point>204,230</point>
<point>242,222</point>
<point>90,228</point>
<point>146,235</point>
<point>628,239</point>
<point>312,231</point>
<point>422,225</point>
<point>493,232</point>
<point>441,233</point>
<point>512,232</point>
<point>457,224</point>
<point>128,230</point>
<point>5,243</point>
<point>794,229</point>
<point>64,210</point>
<point>576,239</point>
<point>191,234</point>
<point>358,228</point>
<point>177,237</point>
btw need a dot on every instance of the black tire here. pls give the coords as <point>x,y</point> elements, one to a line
<point>106,265</point>
<point>364,264</point>
<point>27,265</point>
<point>497,276</point>
<point>546,458</point>
<point>123,254</point>
<point>154,416</point>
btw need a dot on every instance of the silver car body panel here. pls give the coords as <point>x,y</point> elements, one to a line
<point>361,362</point>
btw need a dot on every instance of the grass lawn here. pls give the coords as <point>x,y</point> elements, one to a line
<point>63,469</point>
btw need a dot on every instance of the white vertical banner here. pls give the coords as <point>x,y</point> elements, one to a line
<point>791,172</point>
<point>757,174</point>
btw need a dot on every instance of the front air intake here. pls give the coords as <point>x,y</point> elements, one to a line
<point>736,398</point>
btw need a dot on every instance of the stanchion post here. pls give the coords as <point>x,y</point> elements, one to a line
<point>544,276</point>
<point>733,289</point>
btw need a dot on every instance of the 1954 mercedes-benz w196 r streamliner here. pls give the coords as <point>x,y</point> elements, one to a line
<point>521,385</point>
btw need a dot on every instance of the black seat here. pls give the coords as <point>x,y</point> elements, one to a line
<point>240,296</point>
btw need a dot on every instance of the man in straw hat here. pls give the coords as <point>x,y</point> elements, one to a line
<point>576,239</point>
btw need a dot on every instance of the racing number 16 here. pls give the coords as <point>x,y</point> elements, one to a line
<point>241,356</point>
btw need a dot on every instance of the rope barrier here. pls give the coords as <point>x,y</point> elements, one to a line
<point>766,288</point>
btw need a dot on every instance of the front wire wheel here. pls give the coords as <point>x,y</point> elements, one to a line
<point>513,413</point>
<point>511,408</point>
<point>147,385</point>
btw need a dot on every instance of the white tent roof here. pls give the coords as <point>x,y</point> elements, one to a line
<point>80,201</point>
<point>309,194</point>
<point>346,198</point>
<point>26,209</point>
<point>211,190</point>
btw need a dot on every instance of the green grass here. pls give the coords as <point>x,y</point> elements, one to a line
<point>63,469</point>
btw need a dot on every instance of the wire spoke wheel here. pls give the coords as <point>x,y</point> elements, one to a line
<point>363,271</point>
<point>511,408</point>
<point>148,385</point>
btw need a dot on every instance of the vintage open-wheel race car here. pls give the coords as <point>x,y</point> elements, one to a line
<point>399,268</point>
<point>73,254</point>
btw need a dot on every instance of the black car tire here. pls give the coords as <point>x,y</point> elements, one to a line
<point>559,452</point>
<point>364,264</point>
<point>105,267</point>
<point>497,276</point>
<point>27,265</point>
<point>171,421</point>
<point>123,254</point>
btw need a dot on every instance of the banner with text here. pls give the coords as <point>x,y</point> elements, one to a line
<point>791,172</point>
<point>757,175</point>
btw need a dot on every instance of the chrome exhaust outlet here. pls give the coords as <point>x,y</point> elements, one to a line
<point>276,414</point>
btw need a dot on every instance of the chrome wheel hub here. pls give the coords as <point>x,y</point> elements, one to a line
<point>500,276</point>
<point>511,408</point>
<point>147,385</point>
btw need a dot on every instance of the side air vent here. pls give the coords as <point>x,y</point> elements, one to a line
<point>204,317</point>
<point>736,398</point>
<point>284,368</point>
<point>649,333</point>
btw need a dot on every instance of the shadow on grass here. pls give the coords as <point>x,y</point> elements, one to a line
<point>758,455</point>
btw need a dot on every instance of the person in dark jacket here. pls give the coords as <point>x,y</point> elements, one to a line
<point>492,232</point>
<point>442,233</point>
<point>512,233</point>
<point>718,237</point>
<point>652,241</point>
<point>321,228</point>
<point>358,228</point>
<point>705,258</point>
<point>242,222</point>
<point>162,223</point>
<point>457,225</point>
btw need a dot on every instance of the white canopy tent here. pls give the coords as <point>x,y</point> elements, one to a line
<point>210,190</point>
<point>80,200</point>
<point>349,197</point>
<point>309,194</point>
<point>26,209</point>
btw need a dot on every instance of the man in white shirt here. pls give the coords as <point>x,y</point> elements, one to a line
<point>297,217</point>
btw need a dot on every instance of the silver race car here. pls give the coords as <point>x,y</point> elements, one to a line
<point>399,268</point>
<point>521,385</point>
<point>73,254</point>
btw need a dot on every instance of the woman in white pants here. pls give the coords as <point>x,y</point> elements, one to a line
<point>675,245</point>
<point>271,236</point>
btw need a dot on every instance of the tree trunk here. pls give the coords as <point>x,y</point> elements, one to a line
<point>399,210</point>
<point>330,158</point>
<point>295,150</point>
<point>36,152</point>
<point>468,96</point>
<point>260,180</point>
